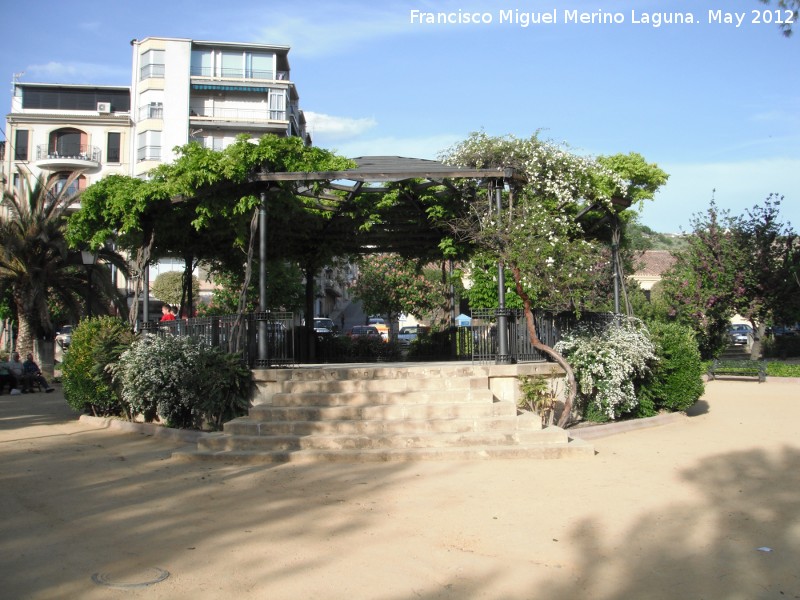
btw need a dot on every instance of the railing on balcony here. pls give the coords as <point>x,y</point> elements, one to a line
<point>155,70</point>
<point>148,153</point>
<point>68,151</point>
<point>248,115</point>
<point>225,73</point>
<point>151,111</point>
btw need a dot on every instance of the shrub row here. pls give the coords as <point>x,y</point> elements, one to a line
<point>182,381</point>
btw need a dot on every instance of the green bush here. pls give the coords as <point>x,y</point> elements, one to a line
<point>781,347</point>
<point>96,344</point>
<point>675,381</point>
<point>184,381</point>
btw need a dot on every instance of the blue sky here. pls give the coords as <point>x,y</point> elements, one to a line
<point>715,105</point>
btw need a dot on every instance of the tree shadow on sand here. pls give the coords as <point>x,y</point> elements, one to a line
<point>741,541</point>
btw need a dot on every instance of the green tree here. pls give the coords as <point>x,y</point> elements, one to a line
<point>284,290</point>
<point>168,287</point>
<point>771,265</point>
<point>202,207</point>
<point>37,264</point>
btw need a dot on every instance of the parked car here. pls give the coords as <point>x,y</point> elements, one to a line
<point>64,336</point>
<point>410,333</point>
<point>782,331</point>
<point>740,334</point>
<point>364,331</point>
<point>324,326</point>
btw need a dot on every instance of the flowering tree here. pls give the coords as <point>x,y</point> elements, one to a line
<point>702,285</point>
<point>390,285</point>
<point>541,234</point>
<point>746,264</point>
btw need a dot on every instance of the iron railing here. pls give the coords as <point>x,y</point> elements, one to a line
<point>238,334</point>
<point>287,344</point>
<point>550,328</point>
<point>68,151</point>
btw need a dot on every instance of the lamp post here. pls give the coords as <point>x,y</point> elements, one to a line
<point>89,259</point>
<point>503,355</point>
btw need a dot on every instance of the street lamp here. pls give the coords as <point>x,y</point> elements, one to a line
<point>89,258</point>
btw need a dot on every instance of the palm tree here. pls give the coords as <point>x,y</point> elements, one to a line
<point>36,263</point>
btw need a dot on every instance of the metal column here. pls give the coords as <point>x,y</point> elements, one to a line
<point>503,355</point>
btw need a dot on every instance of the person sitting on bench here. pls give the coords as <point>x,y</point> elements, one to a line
<point>33,375</point>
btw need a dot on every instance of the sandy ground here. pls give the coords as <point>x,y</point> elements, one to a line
<point>708,507</point>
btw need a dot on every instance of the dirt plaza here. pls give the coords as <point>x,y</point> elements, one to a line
<point>702,507</point>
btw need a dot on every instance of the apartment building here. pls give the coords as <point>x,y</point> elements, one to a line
<point>181,90</point>
<point>210,92</point>
<point>57,129</point>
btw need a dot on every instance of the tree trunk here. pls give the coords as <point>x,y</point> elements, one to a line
<point>539,345</point>
<point>25,332</point>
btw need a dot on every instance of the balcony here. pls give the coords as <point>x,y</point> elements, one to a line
<point>239,116</point>
<point>67,157</point>
<point>239,74</point>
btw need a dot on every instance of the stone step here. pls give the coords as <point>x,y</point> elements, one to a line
<point>384,372</point>
<point>318,399</point>
<point>384,412</point>
<point>278,443</point>
<point>574,448</point>
<point>387,385</point>
<point>250,426</point>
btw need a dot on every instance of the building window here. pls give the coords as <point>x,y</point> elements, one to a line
<point>77,184</point>
<point>152,110</point>
<point>152,64</point>
<point>232,65</point>
<point>202,63</point>
<point>113,147</point>
<point>259,66</point>
<point>21,144</point>
<point>277,105</point>
<point>148,146</point>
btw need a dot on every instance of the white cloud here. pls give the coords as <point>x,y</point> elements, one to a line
<point>330,29</point>
<point>77,72</point>
<point>331,127</point>
<point>736,186</point>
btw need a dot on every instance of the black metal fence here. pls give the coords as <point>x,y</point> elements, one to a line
<point>288,344</point>
<point>239,334</point>
<point>550,327</point>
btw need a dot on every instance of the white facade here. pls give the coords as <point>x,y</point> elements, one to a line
<point>210,92</point>
<point>57,129</point>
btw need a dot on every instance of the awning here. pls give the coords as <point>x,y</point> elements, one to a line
<point>229,88</point>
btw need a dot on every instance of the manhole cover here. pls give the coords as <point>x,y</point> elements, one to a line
<point>128,581</point>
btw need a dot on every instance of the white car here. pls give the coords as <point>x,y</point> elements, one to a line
<point>740,334</point>
<point>410,333</point>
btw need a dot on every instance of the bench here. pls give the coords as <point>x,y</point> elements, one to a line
<point>738,367</point>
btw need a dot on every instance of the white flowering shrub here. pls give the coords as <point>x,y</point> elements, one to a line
<point>184,381</point>
<point>608,360</point>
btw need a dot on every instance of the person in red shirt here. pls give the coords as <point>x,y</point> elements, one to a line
<point>166,313</point>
